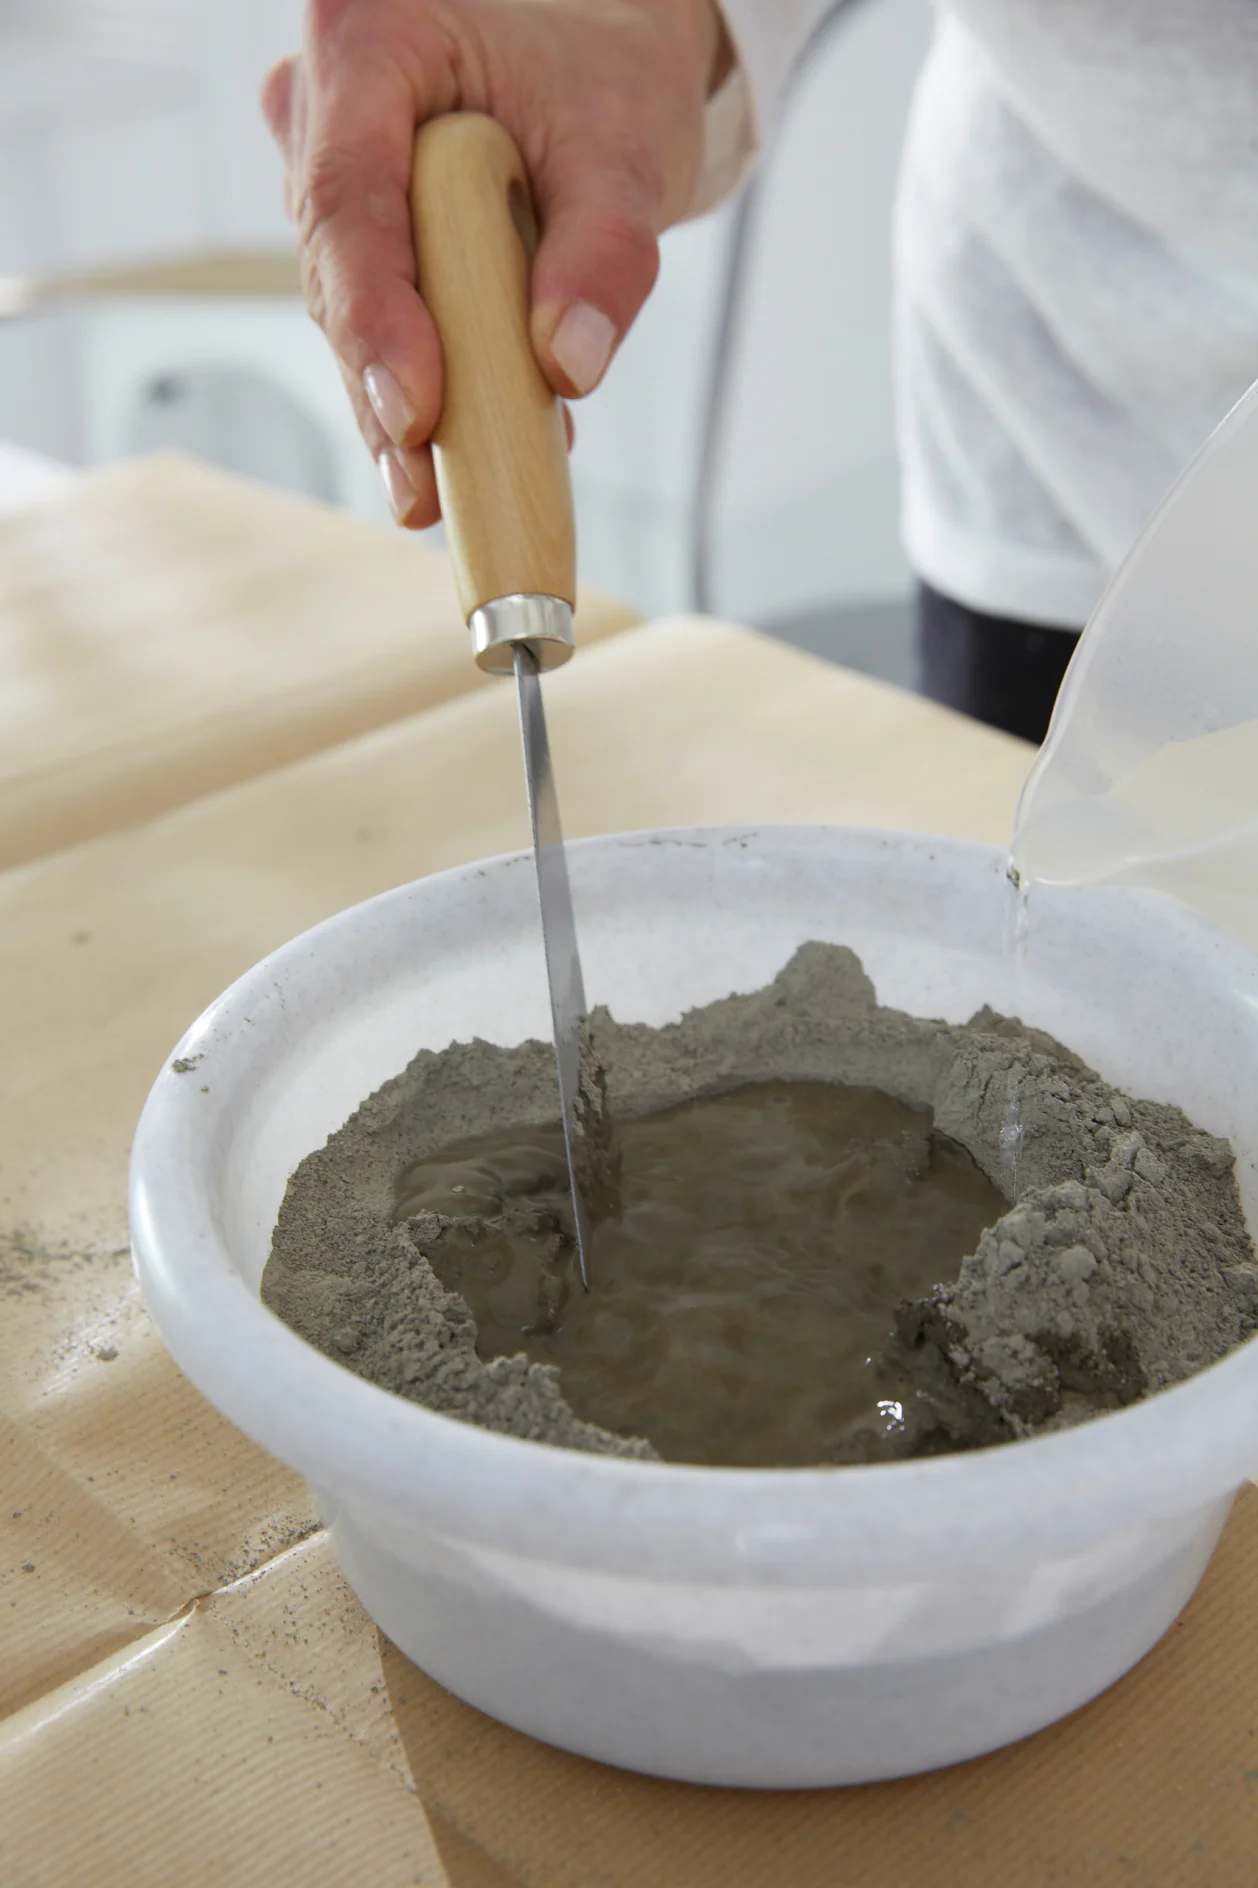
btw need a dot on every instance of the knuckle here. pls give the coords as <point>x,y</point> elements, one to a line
<point>634,245</point>
<point>276,93</point>
<point>316,306</point>
<point>327,16</point>
<point>324,193</point>
<point>312,287</point>
<point>355,185</point>
<point>357,313</point>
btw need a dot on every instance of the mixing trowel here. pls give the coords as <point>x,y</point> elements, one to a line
<point>502,473</point>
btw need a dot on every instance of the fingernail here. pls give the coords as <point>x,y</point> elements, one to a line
<point>582,344</point>
<point>389,404</point>
<point>398,489</point>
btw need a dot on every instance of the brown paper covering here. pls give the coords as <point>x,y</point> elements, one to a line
<point>167,630</point>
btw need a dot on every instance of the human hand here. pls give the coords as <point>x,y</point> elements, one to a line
<point>605,99</point>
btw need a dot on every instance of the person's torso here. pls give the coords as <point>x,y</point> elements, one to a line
<point>1153,104</point>
<point>1078,248</point>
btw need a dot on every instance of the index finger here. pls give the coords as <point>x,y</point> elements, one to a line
<point>353,217</point>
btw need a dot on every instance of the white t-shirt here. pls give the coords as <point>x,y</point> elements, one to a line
<point>1076,246</point>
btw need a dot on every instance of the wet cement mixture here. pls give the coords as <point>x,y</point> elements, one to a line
<point>1122,1265</point>
<point>744,1271</point>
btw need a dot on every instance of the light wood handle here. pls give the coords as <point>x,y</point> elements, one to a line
<point>500,447</point>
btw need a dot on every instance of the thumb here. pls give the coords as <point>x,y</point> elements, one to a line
<point>595,266</point>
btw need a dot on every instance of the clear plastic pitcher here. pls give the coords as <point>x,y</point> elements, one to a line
<point>1149,774</point>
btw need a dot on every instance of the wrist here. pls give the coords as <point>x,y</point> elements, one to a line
<point>723,56</point>
<point>702,26</point>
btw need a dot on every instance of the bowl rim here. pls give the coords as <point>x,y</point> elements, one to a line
<point>365,1448</point>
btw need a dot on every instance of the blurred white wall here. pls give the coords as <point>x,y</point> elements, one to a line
<point>234,43</point>
<point>90,101</point>
<point>130,127</point>
<point>808,492</point>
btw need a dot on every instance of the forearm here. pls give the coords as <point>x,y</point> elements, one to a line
<point>768,36</point>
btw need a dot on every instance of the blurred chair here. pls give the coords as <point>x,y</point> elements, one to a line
<point>246,384</point>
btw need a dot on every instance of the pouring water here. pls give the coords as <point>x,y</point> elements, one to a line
<point>1149,774</point>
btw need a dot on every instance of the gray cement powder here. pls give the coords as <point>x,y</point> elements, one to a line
<point>1124,1264</point>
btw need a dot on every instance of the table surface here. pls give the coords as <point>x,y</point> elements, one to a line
<point>188,1692</point>
<point>166,631</point>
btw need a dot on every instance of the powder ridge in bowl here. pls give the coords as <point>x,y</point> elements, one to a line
<point>1123,1266</point>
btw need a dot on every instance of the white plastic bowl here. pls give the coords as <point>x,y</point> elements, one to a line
<point>758,1627</point>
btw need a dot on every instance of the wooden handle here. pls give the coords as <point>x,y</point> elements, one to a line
<point>500,447</point>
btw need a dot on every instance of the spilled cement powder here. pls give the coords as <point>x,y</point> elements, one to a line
<point>1123,1266</point>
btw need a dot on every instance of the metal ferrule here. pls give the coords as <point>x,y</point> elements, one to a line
<point>544,623</point>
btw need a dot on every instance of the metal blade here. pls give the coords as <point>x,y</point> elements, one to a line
<point>559,932</point>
